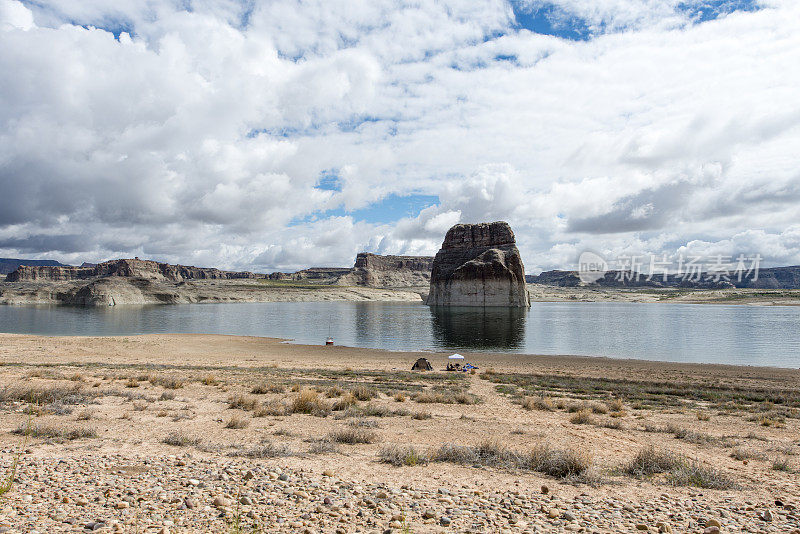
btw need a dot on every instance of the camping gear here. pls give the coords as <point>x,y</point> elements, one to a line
<point>422,364</point>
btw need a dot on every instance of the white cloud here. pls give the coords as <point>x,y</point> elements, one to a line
<point>200,136</point>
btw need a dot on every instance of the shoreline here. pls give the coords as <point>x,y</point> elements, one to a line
<point>171,430</point>
<point>274,347</point>
<point>529,358</point>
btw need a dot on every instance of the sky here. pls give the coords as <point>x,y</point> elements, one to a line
<point>284,134</point>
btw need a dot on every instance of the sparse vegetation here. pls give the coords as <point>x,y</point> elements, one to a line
<point>352,436</point>
<point>582,417</point>
<point>543,458</point>
<point>242,402</point>
<point>237,423</point>
<point>179,439</point>
<point>55,432</point>
<point>421,415</point>
<point>267,387</point>
<point>401,455</point>
<point>544,404</point>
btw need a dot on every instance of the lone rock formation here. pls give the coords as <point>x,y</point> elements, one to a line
<point>478,265</point>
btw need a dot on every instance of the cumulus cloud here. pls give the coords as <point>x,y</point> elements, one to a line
<point>199,132</point>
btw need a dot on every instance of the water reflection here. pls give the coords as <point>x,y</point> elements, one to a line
<point>479,328</point>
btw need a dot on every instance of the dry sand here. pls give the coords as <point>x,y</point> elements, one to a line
<point>125,479</point>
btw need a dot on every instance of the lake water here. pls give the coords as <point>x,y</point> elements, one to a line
<point>745,335</point>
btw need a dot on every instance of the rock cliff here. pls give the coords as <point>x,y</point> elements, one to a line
<point>478,265</point>
<point>135,268</point>
<point>370,270</point>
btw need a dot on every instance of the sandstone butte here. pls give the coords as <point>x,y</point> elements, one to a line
<point>478,265</point>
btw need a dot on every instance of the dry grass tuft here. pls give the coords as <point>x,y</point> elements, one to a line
<point>364,393</point>
<point>55,432</point>
<point>419,416</point>
<point>353,435</point>
<point>179,439</point>
<point>544,404</point>
<point>267,449</point>
<point>267,387</point>
<point>650,461</point>
<point>237,423</point>
<point>399,397</point>
<point>309,402</point>
<point>209,380</point>
<point>582,417</point>
<point>242,402</point>
<point>273,408</point>
<point>401,455</point>
<point>344,402</point>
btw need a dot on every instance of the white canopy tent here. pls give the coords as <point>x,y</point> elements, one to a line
<point>455,357</point>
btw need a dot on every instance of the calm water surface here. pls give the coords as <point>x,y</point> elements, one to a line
<point>746,335</point>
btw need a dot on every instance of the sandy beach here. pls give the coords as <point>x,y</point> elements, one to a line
<point>201,433</point>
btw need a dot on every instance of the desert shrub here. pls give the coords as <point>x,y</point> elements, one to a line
<point>242,402</point>
<point>167,396</point>
<point>334,391</point>
<point>649,461</point>
<point>559,463</point>
<point>544,404</point>
<point>421,415</point>
<point>266,449</point>
<point>55,432</point>
<point>308,402</point>
<point>273,408</point>
<point>613,424</point>
<point>598,408</point>
<point>352,436</point>
<point>209,380</point>
<point>84,415</point>
<point>399,397</point>
<point>179,439</point>
<point>582,417</point>
<point>140,406</point>
<point>446,397</point>
<point>362,423</point>
<point>742,453</point>
<point>72,394</point>
<point>345,401</point>
<point>267,387</point>
<point>132,383</point>
<point>237,422</point>
<point>615,405</point>
<point>322,446</point>
<point>781,463</point>
<point>166,382</point>
<point>401,455</point>
<point>695,474</point>
<point>364,393</point>
<point>703,416</point>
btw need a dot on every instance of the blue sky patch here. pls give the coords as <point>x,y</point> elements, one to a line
<point>713,9</point>
<point>387,210</point>
<point>550,19</point>
<point>329,180</point>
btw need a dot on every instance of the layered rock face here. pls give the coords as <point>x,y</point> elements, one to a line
<point>134,268</point>
<point>478,265</point>
<point>370,270</point>
<point>373,270</point>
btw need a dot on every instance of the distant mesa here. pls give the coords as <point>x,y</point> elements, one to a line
<point>128,268</point>
<point>370,270</point>
<point>9,265</point>
<point>767,278</point>
<point>478,265</point>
